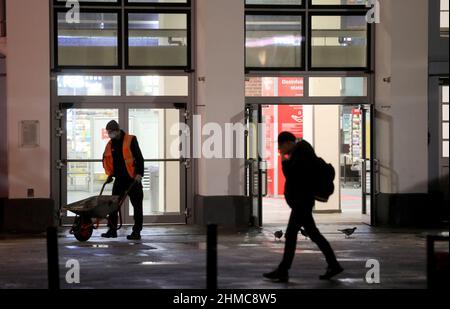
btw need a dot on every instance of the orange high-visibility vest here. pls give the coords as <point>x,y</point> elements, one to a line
<point>108,164</point>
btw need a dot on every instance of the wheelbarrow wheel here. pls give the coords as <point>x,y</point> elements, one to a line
<point>83,229</point>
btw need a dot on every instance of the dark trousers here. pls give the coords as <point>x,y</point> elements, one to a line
<point>136,195</point>
<point>303,218</point>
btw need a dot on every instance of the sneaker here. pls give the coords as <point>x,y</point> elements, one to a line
<point>331,272</point>
<point>110,234</point>
<point>134,236</point>
<point>277,276</point>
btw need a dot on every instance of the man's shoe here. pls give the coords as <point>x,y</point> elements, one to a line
<point>277,276</point>
<point>134,236</point>
<point>110,234</point>
<point>331,272</point>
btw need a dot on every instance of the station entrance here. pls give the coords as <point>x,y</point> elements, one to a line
<point>341,134</point>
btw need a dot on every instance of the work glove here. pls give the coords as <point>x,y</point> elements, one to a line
<point>138,178</point>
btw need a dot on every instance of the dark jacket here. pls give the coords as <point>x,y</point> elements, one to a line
<point>299,174</point>
<point>120,169</point>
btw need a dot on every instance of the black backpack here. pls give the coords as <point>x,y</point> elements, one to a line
<point>324,180</point>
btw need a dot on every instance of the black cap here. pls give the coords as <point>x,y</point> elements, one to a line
<point>112,126</point>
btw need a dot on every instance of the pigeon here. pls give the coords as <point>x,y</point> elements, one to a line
<point>278,234</point>
<point>304,233</point>
<point>348,232</point>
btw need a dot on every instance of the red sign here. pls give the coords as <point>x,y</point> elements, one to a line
<point>290,118</point>
<point>290,87</point>
<point>268,113</point>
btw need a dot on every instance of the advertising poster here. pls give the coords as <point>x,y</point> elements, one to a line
<point>290,87</point>
<point>290,118</point>
<point>268,87</point>
<point>268,113</point>
<point>287,118</point>
<point>356,135</point>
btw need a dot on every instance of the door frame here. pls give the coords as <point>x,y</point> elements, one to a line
<point>254,188</point>
<point>368,217</point>
<point>258,102</point>
<point>169,217</point>
<point>121,102</point>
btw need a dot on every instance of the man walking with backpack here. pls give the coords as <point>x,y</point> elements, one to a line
<point>299,168</point>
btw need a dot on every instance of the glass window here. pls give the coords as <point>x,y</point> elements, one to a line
<point>86,133</point>
<point>86,140</point>
<point>339,42</point>
<point>337,86</point>
<point>157,1</point>
<point>84,180</point>
<point>157,85</point>
<point>274,87</point>
<point>339,2</point>
<point>92,42</point>
<point>159,198</point>
<point>273,2</point>
<point>154,129</point>
<point>157,40</point>
<point>91,1</point>
<point>445,131</point>
<point>445,94</point>
<point>83,85</point>
<point>444,17</point>
<point>445,113</point>
<point>274,41</point>
<point>2,18</point>
<point>445,122</point>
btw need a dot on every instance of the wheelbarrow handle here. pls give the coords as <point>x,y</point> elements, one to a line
<point>103,188</point>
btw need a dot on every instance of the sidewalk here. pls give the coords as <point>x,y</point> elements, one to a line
<point>174,257</point>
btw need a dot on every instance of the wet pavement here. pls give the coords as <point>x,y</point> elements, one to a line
<point>174,257</point>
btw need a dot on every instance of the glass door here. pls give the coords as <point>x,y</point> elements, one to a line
<point>356,161</point>
<point>83,141</point>
<point>158,133</point>
<point>255,169</point>
<point>366,163</point>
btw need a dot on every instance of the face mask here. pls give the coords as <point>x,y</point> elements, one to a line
<point>113,135</point>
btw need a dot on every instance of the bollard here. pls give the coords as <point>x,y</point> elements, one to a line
<point>52,258</point>
<point>211,258</point>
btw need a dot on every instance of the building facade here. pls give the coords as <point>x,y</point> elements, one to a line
<point>368,86</point>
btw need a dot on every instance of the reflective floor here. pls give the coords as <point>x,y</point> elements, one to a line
<point>276,210</point>
<point>174,257</point>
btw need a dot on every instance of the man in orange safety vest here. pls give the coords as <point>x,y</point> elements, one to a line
<point>123,161</point>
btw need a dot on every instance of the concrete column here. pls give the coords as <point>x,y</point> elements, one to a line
<point>28,95</point>
<point>221,99</point>
<point>327,145</point>
<point>401,104</point>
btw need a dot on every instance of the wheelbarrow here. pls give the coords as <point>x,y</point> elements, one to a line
<point>91,211</point>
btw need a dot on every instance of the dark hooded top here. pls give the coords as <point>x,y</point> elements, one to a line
<point>299,174</point>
